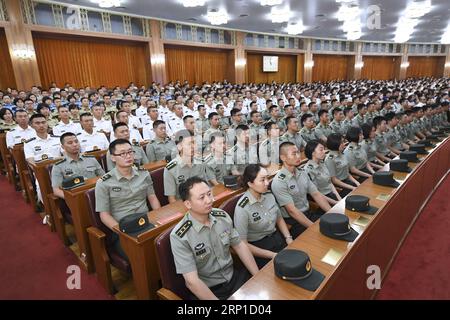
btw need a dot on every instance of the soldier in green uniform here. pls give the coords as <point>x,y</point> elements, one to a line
<point>202,123</point>
<point>201,244</point>
<point>184,166</point>
<point>337,165</point>
<point>214,127</point>
<point>337,125</point>
<point>275,117</point>
<point>359,119</point>
<point>368,145</point>
<point>323,128</point>
<point>73,164</point>
<point>292,133</point>
<point>356,156</point>
<point>381,143</point>
<point>121,131</point>
<point>348,121</point>
<point>268,151</point>
<point>161,147</point>
<point>257,216</point>
<point>242,153</point>
<point>215,161</point>
<point>308,131</point>
<point>291,186</point>
<point>318,171</point>
<point>124,190</point>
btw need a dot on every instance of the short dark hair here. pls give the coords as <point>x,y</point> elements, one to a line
<point>157,123</point>
<point>347,110</point>
<point>250,173</point>
<point>336,110</point>
<point>378,120</point>
<point>119,124</point>
<point>310,147</point>
<point>321,112</point>
<point>366,130</point>
<point>268,125</point>
<point>212,114</point>
<point>305,117</point>
<point>84,115</point>
<point>234,111</point>
<point>361,106</point>
<point>389,116</point>
<point>186,186</point>
<point>353,134</point>
<point>73,106</point>
<point>284,145</point>
<point>243,127</point>
<point>187,117</point>
<point>334,140</point>
<point>65,135</point>
<point>35,116</point>
<point>112,145</point>
<point>287,119</point>
<point>252,113</point>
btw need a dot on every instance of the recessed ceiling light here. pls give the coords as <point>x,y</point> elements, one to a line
<point>216,17</point>
<point>192,19</point>
<point>193,3</point>
<point>320,15</point>
<point>280,15</point>
<point>243,15</point>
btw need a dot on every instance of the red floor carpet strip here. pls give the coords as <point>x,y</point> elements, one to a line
<point>34,261</point>
<point>421,269</point>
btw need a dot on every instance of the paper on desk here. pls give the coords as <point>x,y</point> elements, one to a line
<point>361,221</point>
<point>332,257</point>
<point>383,196</point>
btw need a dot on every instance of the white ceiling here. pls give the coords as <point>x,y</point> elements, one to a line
<point>318,16</point>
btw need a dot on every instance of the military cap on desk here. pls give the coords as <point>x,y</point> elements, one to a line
<point>231,182</point>
<point>400,165</point>
<point>411,156</point>
<point>295,266</point>
<point>337,226</point>
<point>427,143</point>
<point>359,203</point>
<point>72,182</point>
<point>419,148</point>
<point>135,224</point>
<point>385,178</point>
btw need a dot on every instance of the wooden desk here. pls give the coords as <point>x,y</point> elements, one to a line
<point>377,244</point>
<point>141,251</point>
<point>75,200</point>
<point>40,170</point>
<point>155,165</point>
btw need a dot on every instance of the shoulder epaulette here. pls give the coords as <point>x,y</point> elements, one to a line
<point>309,176</point>
<point>310,166</point>
<point>106,177</point>
<point>184,228</point>
<point>60,161</point>
<point>88,156</point>
<point>331,156</point>
<point>12,130</point>
<point>31,139</point>
<point>53,136</point>
<point>350,147</point>
<point>218,213</point>
<point>171,165</point>
<point>243,202</point>
<point>281,176</point>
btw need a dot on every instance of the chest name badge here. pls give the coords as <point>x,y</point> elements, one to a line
<point>116,189</point>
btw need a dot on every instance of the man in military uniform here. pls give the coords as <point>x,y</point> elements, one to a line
<point>215,162</point>
<point>121,131</point>
<point>276,117</point>
<point>393,139</point>
<point>242,153</point>
<point>124,190</point>
<point>202,123</point>
<point>183,166</point>
<point>100,123</point>
<point>323,128</point>
<point>73,164</point>
<point>176,119</point>
<point>368,117</point>
<point>65,124</point>
<point>110,108</point>
<point>381,143</point>
<point>290,187</point>
<point>292,133</point>
<point>22,132</point>
<point>89,139</point>
<point>268,151</point>
<point>201,244</point>
<point>257,125</point>
<point>161,147</point>
<point>214,127</point>
<point>359,119</point>
<point>224,121</point>
<point>348,121</point>
<point>43,146</point>
<point>337,125</point>
<point>308,131</point>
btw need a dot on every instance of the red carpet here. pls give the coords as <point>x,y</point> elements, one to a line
<point>34,261</point>
<point>421,269</point>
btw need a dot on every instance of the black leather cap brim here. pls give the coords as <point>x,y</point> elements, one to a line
<point>349,237</point>
<point>407,170</point>
<point>137,233</point>
<point>312,282</point>
<point>372,210</point>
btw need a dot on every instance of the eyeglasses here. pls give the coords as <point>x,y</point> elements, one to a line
<point>125,154</point>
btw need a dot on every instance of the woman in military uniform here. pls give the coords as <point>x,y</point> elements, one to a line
<point>6,120</point>
<point>356,156</point>
<point>257,216</point>
<point>369,146</point>
<point>318,172</point>
<point>337,165</point>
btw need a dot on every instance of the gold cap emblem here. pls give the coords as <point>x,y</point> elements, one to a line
<point>308,266</point>
<point>76,181</point>
<point>44,156</point>
<point>141,221</point>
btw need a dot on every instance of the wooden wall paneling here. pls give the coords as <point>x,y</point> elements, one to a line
<point>196,64</point>
<point>300,68</point>
<point>425,66</point>
<point>379,67</point>
<point>329,67</point>
<point>7,72</point>
<point>84,61</point>
<point>287,68</point>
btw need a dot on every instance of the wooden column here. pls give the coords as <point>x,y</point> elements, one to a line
<point>400,70</point>
<point>18,35</point>
<point>300,67</point>
<point>447,62</point>
<point>307,67</point>
<point>157,55</point>
<point>358,62</point>
<point>240,58</point>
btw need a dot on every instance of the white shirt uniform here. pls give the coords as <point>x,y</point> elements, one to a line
<point>141,111</point>
<point>19,135</point>
<point>134,136</point>
<point>88,142</point>
<point>38,148</point>
<point>134,122</point>
<point>164,113</point>
<point>210,109</point>
<point>102,124</point>
<point>189,112</point>
<point>62,128</point>
<point>176,124</point>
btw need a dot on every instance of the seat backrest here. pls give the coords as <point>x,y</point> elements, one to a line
<point>95,217</point>
<point>103,163</point>
<point>169,277</point>
<point>229,205</point>
<point>158,184</point>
